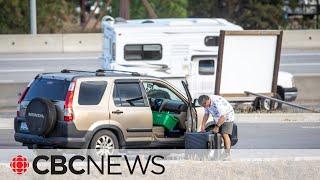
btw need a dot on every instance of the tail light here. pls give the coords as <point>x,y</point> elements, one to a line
<point>68,111</point>
<point>23,94</point>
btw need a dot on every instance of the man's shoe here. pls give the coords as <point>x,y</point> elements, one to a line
<point>226,156</point>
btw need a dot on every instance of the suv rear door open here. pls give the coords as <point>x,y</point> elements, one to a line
<point>130,109</point>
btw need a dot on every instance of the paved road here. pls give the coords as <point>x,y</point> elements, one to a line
<point>300,62</point>
<point>251,136</point>
<point>279,136</point>
<point>23,67</point>
<point>7,140</point>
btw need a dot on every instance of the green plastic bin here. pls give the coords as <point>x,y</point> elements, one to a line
<point>164,119</point>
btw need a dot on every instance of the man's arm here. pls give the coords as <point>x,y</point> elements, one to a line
<point>221,120</point>
<point>204,121</point>
<point>219,123</point>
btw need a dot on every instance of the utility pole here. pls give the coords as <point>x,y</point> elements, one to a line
<point>124,9</point>
<point>82,12</point>
<point>33,17</point>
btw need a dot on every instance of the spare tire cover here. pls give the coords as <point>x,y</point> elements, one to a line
<point>41,116</point>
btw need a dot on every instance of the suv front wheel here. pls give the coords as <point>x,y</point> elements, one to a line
<point>104,142</point>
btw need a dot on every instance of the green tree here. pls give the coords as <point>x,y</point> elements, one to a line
<point>260,15</point>
<point>203,8</point>
<point>14,16</point>
<point>51,16</point>
<point>250,14</point>
<point>163,8</point>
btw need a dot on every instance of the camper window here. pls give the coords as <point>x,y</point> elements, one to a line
<point>211,40</point>
<point>206,67</point>
<point>142,52</point>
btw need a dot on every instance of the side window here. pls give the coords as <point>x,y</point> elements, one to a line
<point>206,67</point>
<point>159,91</point>
<point>142,52</point>
<point>128,94</point>
<point>211,40</point>
<point>91,92</point>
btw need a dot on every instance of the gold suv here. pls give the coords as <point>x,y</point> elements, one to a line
<point>100,110</point>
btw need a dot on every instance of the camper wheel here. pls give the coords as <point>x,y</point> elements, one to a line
<point>265,104</point>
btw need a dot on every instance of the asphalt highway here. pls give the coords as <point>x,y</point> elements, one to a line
<point>23,67</point>
<point>300,62</point>
<point>251,136</point>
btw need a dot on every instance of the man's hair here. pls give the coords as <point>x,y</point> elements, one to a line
<point>202,99</point>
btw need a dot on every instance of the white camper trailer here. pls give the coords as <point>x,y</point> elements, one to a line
<point>173,49</point>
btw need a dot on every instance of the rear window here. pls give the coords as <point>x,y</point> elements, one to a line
<point>52,89</point>
<point>91,92</point>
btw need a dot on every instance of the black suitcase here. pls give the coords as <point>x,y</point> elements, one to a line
<point>233,136</point>
<point>202,140</point>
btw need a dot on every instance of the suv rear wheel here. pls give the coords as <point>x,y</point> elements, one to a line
<point>104,142</point>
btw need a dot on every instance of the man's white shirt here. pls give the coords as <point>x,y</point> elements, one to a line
<point>220,107</point>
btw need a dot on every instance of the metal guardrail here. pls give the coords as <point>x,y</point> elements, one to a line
<point>283,102</point>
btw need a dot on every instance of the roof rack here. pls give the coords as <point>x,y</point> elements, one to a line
<point>72,70</point>
<point>129,72</point>
<point>100,72</point>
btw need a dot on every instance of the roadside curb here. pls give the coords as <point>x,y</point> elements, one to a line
<point>278,118</point>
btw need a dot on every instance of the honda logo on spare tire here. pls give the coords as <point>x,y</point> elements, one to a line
<point>36,115</point>
<point>41,116</point>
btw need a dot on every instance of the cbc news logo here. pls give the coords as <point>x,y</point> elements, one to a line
<point>19,164</point>
<point>60,164</point>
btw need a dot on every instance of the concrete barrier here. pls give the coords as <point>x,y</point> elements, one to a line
<point>88,42</point>
<point>308,88</point>
<point>82,42</point>
<point>29,43</point>
<point>306,39</point>
<point>18,43</point>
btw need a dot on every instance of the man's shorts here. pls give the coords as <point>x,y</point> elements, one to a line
<point>225,128</point>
